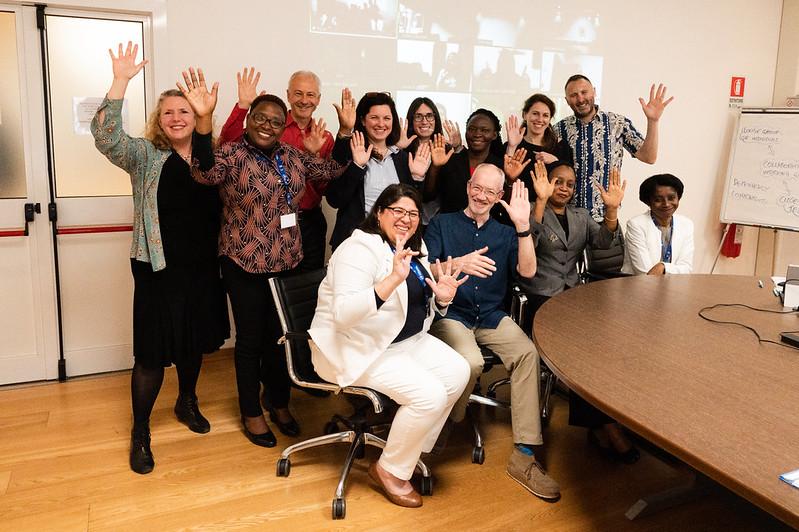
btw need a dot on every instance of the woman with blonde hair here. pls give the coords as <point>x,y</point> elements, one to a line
<point>179,307</point>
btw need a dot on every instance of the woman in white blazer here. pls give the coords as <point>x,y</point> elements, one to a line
<point>658,241</point>
<point>370,329</point>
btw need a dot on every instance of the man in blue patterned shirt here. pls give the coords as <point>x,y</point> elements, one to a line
<point>598,138</point>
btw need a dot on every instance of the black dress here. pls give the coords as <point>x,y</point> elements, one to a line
<point>180,312</point>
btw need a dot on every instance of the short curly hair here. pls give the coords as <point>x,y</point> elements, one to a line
<point>647,188</point>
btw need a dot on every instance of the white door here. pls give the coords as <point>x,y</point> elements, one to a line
<point>76,284</point>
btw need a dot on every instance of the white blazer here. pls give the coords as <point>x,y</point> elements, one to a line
<point>642,247</point>
<point>348,330</point>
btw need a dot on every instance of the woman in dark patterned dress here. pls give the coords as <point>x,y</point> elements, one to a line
<point>261,181</point>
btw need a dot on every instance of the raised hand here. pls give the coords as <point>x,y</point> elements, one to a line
<point>360,153</point>
<point>315,140</point>
<point>614,194</point>
<point>439,153</point>
<point>124,64</point>
<point>420,162</point>
<point>453,133</point>
<point>519,206</point>
<point>446,281</point>
<point>404,141</point>
<point>477,264</point>
<point>247,82</point>
<point>514,164</point>
<point>346,112</point>
<point>514,130</point>
<point>541,185</point>
<point>402,260</point>
<point>544,157</point>
<point>196,93</point>
<point>653,109</point>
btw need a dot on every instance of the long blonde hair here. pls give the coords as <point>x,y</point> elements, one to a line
<point>153,131</point>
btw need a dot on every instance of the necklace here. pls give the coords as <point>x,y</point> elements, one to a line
<point>186,158</point>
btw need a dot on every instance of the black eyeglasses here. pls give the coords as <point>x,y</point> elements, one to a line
<point>260,119</point>
<point>400,213</point>
<point>427,117</point>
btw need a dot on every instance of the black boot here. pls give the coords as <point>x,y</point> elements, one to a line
<point>188,413</point>
<point>141,457</point>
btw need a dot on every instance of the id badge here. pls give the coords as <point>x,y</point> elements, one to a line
<point>288,220</point>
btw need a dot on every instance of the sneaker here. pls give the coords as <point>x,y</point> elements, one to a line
<point>524,469</point>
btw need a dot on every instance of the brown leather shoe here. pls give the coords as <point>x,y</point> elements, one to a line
<point>409,500</point>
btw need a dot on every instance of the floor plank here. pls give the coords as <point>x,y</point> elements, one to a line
<point>64,452</point>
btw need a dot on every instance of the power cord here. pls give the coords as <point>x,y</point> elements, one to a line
<point>747,327</point>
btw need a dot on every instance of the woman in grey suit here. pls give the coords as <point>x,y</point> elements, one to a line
<point>561,232</point>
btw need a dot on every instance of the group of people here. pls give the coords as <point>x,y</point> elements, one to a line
<point>428,237</point>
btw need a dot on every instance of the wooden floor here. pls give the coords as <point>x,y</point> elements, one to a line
<point>64,466</point>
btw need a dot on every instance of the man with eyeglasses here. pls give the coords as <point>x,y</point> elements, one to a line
<point>303,95</point>
<point>491,253</point>
<point>598,138</point>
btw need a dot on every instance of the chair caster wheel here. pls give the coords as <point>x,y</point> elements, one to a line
<point>427,486</point>
<point>478,455</point>
<point>339,508</point>
<point>492,394</point>
<point>283,467</point>
<point>331,427</point>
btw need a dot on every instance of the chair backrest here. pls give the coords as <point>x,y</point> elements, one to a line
<point>295,298</point>
<point>605,261</point>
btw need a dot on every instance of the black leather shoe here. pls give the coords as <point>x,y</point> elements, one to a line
<point>267,439</point>
<point>290,428</point>
<point>630,456</point>
<point>141,457</point>
<point>188,413</point>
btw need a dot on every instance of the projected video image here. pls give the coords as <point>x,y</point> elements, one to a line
<point>376,18</point>
<point>463,59</point>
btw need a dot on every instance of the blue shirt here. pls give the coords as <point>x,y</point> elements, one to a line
<point>597,147</point>
<point>478,302</point>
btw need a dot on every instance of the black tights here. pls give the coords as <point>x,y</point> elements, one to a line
<point>145,383</point>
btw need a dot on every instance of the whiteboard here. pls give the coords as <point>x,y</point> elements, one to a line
<point>762,185</point>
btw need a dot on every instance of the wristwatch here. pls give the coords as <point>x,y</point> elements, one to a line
<point>524,233</point>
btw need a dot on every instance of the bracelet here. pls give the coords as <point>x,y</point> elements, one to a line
<point>442,305</point>
<point>611,219</point>
<point>523,234</point>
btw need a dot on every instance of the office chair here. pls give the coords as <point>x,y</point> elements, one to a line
<point>295,298</point>
<point>547,379</point>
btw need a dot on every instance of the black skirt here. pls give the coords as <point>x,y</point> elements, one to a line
<point>179,313</point>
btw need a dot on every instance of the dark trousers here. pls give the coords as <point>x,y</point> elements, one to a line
<point>313,228</point>
<point>258,357</point>
<point>581,412</point>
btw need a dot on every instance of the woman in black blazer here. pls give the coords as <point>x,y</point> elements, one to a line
<point>375,163</point>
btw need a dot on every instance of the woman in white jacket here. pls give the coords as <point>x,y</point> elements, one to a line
<point>659,242</point>
<point>370,329</point>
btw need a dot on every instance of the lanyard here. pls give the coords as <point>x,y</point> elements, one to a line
<point>665,249</point>
<point>281,170</point>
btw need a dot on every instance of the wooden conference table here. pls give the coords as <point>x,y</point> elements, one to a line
<point>706,393</point>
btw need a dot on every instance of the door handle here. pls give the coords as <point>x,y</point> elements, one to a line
<point>31,210</point>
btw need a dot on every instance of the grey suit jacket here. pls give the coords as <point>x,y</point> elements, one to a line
<point>557,256</point>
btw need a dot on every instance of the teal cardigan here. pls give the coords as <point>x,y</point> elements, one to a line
<point>143,161</point>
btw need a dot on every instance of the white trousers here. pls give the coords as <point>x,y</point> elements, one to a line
<point>425,377</point>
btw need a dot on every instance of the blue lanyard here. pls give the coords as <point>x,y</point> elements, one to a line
<point>665,250</point>
<point>281,170</point>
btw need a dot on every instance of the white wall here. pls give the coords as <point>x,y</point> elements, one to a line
<point>693,47</point>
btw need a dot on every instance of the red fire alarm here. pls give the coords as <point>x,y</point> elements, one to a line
<point>737,87</point>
